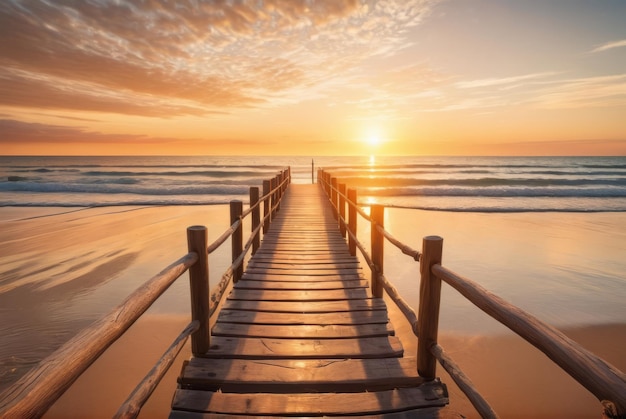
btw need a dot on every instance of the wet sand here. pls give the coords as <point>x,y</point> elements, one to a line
<point>81,263</point>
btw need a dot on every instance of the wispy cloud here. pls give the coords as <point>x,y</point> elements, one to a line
<point>513,80</point>
<point>610,45</point>
<point>157,57</point>
<point>584,92</point>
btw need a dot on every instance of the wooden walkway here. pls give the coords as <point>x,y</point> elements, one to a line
<point>300,336</point>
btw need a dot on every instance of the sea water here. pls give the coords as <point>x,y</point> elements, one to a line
<point>471,184</point>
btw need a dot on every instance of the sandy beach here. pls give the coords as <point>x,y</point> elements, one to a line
<point>63,268</point>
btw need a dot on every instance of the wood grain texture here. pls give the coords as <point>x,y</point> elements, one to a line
<point>312,404</point>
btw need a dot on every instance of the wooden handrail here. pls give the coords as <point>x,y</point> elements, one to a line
<point>404,307</point>
<point>603,380</point>
<point>132,406</point>
<point>35,392</point>
<point>464,383</point>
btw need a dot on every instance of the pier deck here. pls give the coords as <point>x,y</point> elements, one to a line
<point>301,336</point>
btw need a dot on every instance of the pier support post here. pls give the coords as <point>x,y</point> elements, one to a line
<point>199,289</point>
<point>430,296</point>
<point>256,217</point>
<point>377,215</point>
<point>236,209</point>
<point>352,220</point>
<point>266,205</point>
<point>342,209</point>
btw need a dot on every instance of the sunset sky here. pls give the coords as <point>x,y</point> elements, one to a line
<point>306,77</point>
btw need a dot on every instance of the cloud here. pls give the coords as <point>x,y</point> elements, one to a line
<point>23,133</point>
<point>162,58</point>
<point>601,91</point>
<point>610,45</point>
<point>501,81</point>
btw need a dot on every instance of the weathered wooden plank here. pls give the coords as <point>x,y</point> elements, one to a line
<point>298,306</point>
<point>302,266</point>
<point>298,376</point>
<point>312,272</point>
<point>301,285</point>
<point>425,413</point>
<point>309,258</point>
<point>302,331</point>
<point>309,404</point>
<point>300,278</point>
<point>353,318</point>
<point>292,250</point>
<point>256,348</point>
<point>301,295</point>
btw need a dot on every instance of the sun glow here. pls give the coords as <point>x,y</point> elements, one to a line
<point>373,140</point>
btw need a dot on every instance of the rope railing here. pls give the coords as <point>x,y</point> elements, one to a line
<point>603,380</point>
<point>39,389</point>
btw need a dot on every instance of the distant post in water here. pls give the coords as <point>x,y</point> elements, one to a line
<point>352,220</point>
<point>377,215</point>
<point>428,315</point>
<point>236,209</point>
<point>199,289</point>
<point>256,217</point>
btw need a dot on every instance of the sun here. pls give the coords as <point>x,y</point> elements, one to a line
<point>373,140</point>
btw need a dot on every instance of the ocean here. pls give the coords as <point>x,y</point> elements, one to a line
<point>468,184</point>
<point>78,234</point>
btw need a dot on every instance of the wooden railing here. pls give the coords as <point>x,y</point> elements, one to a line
<point>603,380</point>
<point>39,389</point>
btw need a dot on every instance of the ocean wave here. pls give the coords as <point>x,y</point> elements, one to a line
<point>206,173</point>
<point>481,182</point>
<point>548,192</point>
<point>123,188</point>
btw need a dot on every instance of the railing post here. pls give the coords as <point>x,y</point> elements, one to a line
<point>236,209</point>
<point>266,205</point>
<point>377,215</point>
<point>273,198</point>
<point>199,289</point>
<point>333,196</point>
<point>430,296</point>
<point>279,190</point>
<point>256,217</point>
<point>312,171</point>
<point>352,220</point>
<point>326,184</point>
<point>342,209</point>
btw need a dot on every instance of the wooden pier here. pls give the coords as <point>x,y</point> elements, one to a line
<point>301,335</point>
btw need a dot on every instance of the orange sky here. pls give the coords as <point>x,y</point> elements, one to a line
<point>306,77</point>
